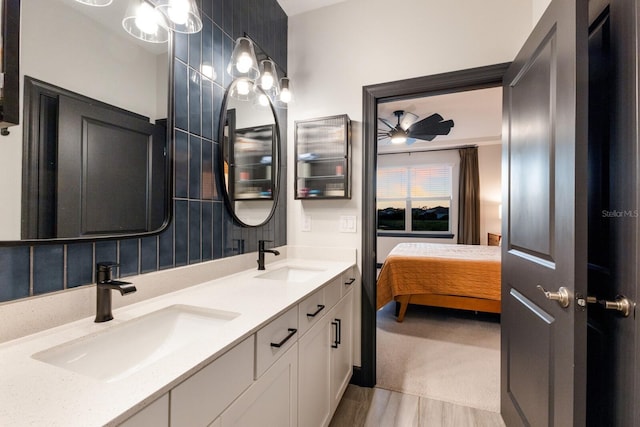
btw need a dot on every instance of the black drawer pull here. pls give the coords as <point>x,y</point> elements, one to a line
<point>292,332</point>
<point>350,281</point>
<point>336,341</point>
<point>320,308</point>
<point>339,341</point>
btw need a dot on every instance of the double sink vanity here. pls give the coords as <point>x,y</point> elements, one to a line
<point>250,347</point>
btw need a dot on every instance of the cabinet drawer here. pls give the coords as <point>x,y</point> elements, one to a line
<point>273,340</point>
<point>202,397</point>
<point>349,280</point>
<point>154,415</point>
<point>332,292</point>
<point>310,310</point>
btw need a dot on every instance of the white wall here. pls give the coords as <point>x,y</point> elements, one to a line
<point>336,50</point>
<point>537,9</point>
<point>83,58</point>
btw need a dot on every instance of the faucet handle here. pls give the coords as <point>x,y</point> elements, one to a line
<point>107,265</point>
<point>104,271</point>
<point>262,242</point>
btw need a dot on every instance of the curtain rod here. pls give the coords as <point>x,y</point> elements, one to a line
<point>427,150</point>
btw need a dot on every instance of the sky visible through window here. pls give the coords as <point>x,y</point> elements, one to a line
<point>424,192</point>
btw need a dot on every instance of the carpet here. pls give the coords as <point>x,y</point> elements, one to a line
<point>442,354</point>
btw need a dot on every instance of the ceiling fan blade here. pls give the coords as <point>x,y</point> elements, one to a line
<point>421,129</point>
<point>407,120</point>
<point>425,123</point>
<point>386,123</point>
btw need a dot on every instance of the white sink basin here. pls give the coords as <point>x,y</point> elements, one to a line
<point>127,348</point>
<point>290,274</point>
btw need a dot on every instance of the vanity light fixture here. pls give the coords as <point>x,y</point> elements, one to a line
<point>243,63</point>
<point>268,80</point>
<point>242,90</point>
<point>208,71</point>
<point>97,3</point>
<point>182,16</point>
<point>144,22</point>
<point>286,96</point>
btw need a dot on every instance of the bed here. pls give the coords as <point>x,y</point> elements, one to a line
<point>442,275</point>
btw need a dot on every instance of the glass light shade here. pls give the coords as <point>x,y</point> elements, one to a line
<point>182,16</point>
<point>268,80</point>
<point>242,90</point>
<point>97,3</point>
<point>260,98</point>
<point>286,95</point>
<point>208,71</point>
<point>142,21</point>
<point>243,63</point>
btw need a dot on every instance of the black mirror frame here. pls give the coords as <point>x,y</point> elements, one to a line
<point>11,16</point>
<point>220,163</point>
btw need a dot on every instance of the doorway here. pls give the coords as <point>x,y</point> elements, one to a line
<point>477,78</point>
<point>441,353</point>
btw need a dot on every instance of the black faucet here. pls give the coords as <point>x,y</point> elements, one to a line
<point>104,285</point>
<point>262,251</point>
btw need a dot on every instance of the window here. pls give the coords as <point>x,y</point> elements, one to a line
<point>415,199</point>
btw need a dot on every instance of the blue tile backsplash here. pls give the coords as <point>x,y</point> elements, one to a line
<point>201,228</point>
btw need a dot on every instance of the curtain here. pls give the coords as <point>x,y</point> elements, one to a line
<point>469,198</point>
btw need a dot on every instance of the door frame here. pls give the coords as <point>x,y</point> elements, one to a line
<point>456,81</point>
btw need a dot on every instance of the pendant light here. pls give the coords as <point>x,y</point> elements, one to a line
<point>97,3</point>
<point>243,63</point>
<point>286,96</point>
<point>182,16</point>
<point>144,22</point>
<point>268,80</point>
<point>242,90</point>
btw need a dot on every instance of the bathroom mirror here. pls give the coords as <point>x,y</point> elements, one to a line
<point>84,52</point>
<point>249,154</point>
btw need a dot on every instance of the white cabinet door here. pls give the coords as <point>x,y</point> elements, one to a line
<point>271,401</point>
<point>342,349</point>
<point>314,408</point>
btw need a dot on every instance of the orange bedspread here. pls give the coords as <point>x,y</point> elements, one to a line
<point>434,268</point>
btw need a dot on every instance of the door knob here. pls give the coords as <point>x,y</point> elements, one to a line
<point>621,304</point>
<point>562,296</point>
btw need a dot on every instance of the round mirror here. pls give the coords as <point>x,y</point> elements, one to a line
<point>249,153</point>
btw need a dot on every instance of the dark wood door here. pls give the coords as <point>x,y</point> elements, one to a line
<point>544,347</point>
<point>613,378</point>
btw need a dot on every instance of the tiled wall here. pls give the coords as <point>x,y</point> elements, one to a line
<point>201,228</point>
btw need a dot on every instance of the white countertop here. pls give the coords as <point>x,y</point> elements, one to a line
<point>35,393</point>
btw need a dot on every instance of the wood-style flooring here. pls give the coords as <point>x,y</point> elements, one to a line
<point>376,407</point>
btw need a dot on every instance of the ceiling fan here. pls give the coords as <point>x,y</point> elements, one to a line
<point>408,128</point>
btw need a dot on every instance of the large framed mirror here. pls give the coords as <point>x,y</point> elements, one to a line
<point>76,167</point>
<point>249,154</point>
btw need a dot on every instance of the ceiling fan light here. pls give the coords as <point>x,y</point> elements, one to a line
<point>398,136</point>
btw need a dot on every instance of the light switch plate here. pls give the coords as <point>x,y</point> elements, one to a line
<point>348,224</point>
<point>305,223</point>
